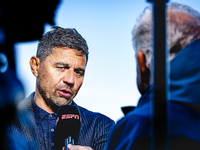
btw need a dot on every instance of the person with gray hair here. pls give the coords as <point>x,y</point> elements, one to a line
<point>134,131</point>
<point>59,67</point>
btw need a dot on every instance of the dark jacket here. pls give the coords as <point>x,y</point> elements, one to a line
<point>134,132</point>
<point>94,131</point>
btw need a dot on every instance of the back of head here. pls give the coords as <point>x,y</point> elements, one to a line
<point>61,37</point>
<point>183,27</point>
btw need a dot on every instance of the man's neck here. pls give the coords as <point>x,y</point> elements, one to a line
<point>39,101</point>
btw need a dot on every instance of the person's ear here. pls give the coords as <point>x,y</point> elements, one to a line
<point>34,64</point>
<point>144,70</point>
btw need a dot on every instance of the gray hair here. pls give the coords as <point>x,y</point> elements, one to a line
<point>61,37</point>
<point>179,34</point>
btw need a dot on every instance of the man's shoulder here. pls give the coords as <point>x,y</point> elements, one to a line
<point>135,117</point>
<point>137,121</point>
<point>24,119</point>
<point>95,116</point>
<point>133,126</point>
<point>25,104</point>
<point>143,111</point>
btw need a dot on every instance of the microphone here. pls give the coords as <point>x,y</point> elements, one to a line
<point>68,126</point>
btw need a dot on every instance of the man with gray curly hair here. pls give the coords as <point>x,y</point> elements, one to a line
<point>134,131</point>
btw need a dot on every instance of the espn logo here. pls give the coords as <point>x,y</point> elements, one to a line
<point>70,116</point>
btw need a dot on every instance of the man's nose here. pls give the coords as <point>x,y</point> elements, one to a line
<point>69,78</point>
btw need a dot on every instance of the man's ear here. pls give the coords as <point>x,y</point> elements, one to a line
<point>34,64</point>
<point>144,70</point>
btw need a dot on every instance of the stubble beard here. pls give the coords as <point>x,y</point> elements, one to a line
<point>54,101</point>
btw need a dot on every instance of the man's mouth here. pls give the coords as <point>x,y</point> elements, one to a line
<point>65,93</point>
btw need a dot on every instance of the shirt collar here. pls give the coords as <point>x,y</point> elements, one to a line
<point>39,113</point>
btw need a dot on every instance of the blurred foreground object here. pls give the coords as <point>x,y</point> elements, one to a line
<point>160,77</point>
<point>20,21</point>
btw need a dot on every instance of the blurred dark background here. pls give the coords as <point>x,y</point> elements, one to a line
<point>20,21</point>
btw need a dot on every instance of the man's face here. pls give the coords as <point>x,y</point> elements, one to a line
<point>60,76</point>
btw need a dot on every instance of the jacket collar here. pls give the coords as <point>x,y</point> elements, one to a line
<point>184,84</point>
<point>185,75</point>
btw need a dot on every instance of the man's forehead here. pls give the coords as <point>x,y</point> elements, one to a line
<point>59,48</point>
<point>68,50</point>
<point>66,54</point>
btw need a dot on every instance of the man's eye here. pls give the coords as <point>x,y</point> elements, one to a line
<point>61,68</point>
<point>81,73</point>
